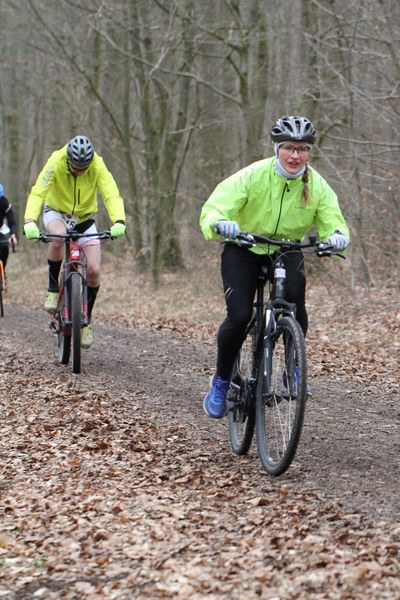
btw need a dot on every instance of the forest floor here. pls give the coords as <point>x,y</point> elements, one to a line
<point>115,484</point>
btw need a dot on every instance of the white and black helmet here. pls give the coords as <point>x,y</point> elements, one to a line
<point>80,152</point>
<point>293,128</point>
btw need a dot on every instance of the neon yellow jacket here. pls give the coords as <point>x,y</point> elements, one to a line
<point>59,189</point>
<point>262,202</point>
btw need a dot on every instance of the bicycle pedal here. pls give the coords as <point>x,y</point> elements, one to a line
<point>53,326</point>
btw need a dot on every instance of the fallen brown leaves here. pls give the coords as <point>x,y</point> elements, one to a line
<point>100,500</point>
<point>357,338</point>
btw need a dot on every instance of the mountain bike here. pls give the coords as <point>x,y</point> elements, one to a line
<point>268,389</point>
<point>71,314</point>
<point>5,230</point>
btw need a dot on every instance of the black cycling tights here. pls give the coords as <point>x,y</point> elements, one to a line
<point>4,249</point>
<point>240,269</point>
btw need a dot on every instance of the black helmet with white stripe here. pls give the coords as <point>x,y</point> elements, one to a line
<point>293,128</point>
<point>80,152</point>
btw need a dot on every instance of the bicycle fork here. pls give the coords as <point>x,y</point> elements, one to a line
<point>267,350</point>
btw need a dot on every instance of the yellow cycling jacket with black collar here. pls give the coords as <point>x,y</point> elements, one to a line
<point>263,202</point>
<point>57,188</point>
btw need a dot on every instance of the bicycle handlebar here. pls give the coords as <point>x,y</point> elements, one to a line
<point>250,240</point>
<point>74,235</point>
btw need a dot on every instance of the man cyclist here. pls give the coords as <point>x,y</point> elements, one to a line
<point>67,189</point>
<point>280,197</point>
<point>6,213</point>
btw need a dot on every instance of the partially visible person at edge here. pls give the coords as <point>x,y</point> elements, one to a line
<point>280,197</point>
<point>7,213</point>
<point>67,188</point>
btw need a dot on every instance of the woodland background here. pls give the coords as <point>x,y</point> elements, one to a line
<point>176,95</point>
<point>113,483</point>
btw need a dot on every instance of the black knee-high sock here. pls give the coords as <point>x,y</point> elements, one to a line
<point>92,293</point>
<point>54,272</point>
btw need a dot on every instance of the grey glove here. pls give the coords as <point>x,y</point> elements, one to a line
<point>229,229</point>
<point>338,241</point>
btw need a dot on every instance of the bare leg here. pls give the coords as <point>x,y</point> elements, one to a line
<point>93,260</point>
<point>56,247</point>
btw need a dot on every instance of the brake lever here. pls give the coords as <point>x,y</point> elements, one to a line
<point>327,250</point>
<point>246,239</point>
<point>43,238</point>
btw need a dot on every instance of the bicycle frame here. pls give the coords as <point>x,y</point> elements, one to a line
<point>268,311</point>
<point>73,263</point>
<point>2,280</point>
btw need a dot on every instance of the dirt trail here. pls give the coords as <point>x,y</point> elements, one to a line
<point>344,479</point>
<point>350,446</point>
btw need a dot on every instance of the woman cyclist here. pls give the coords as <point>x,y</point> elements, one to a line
<point>280,197</point>
<point>67,187</point>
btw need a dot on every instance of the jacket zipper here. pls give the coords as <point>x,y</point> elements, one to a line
<point>73,208</point>
<point>286,188</point>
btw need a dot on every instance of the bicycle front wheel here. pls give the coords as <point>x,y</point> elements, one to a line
<point>75,283</point>
<point>63,329</point>
<point>281,396</point>
<point>241,398</point>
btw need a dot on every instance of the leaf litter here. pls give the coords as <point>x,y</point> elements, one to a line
<point>114,486</point>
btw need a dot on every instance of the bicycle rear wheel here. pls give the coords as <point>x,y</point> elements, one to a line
<point>241,397</point>
<point>281,396</point>
<point>76,312</point>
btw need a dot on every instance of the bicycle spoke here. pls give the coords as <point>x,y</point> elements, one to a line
<point>280,407</point>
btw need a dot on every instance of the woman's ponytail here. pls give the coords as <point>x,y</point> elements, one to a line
<point>305,196</point>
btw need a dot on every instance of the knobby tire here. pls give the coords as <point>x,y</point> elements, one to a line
<point>76,312</point>
<point>64,330</point>
<point>241,397</point>
<point>281,396</point>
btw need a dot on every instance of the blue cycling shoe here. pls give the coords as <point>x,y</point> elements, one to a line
<point>215,404</point>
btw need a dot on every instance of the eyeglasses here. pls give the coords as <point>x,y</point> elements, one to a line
<point>289,149</point>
